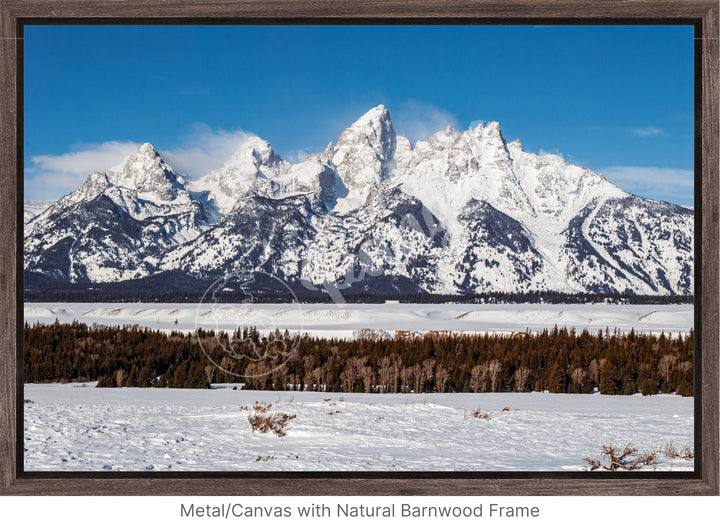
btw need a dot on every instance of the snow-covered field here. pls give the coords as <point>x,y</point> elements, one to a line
<point>340,321</point>
<point>71,427</point>
<point>74,427</point>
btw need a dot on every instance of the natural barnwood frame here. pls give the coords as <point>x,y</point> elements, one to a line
<point>702,14</point>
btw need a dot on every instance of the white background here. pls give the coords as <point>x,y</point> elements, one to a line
<point>586,514</point>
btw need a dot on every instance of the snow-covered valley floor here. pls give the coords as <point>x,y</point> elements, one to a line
<point>340,321</point>
<point>82,428</point>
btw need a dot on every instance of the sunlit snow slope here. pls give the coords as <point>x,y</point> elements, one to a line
<point>458,213</point>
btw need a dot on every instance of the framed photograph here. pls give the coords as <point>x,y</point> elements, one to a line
<point>427,248</point>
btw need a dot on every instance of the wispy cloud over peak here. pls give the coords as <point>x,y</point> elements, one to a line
<point>418,120</point>
<point>205,149</point>
<point>649,131</point>
<point>674,185</point>
<point>51,176</point>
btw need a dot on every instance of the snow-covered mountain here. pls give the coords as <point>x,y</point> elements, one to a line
<point>117,225</point>
<point>33,208</point>
<point>462,212</point>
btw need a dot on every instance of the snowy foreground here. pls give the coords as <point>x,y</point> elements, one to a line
<point>340,321</point>
<point>71,427</point>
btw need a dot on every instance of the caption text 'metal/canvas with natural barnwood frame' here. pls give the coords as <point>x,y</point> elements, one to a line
<point>426,271</point>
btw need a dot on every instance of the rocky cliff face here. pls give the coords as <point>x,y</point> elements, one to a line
<point>462,212</point>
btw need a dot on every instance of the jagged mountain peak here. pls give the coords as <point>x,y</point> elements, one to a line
<point>437,142</point>
<point>146,172</point>
<point>492,128</point>
<point>253,163</point>
<point>515,144</point>
<point>145,157</point>
<point>448,132</point>
<point>328,151</point>
<point>147,150</point>
<point>379,113</point>
<point>375,127</point>
<point>364,155</point>
<point>488,137</point>
<point>256,151</point>
<point>460,212</point>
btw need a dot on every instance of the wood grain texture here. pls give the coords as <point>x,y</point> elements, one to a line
<point>620,485</point>
<point>8,228</point>
<point>709,104</point>
<point>702,13</point>
<point>441,10</point>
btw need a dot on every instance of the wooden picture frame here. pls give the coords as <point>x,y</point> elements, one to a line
<point>701,14</point>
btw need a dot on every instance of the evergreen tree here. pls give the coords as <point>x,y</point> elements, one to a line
<point>557,382</point>
<point>608,379</point>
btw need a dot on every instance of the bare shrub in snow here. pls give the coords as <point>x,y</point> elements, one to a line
<point>479,414</point>
<point>617,458</point>
<point>648,458</point>
<point>592,464</point>
<point>628,457</point>
<point>275,422</point>
<point>687,453</point>
<point>670,450</point>
<point>258,407</point>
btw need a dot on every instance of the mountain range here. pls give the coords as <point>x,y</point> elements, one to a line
<point>459,213</point>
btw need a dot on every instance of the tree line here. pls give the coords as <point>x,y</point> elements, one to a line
<point>185,289</point>
<point>557,360</point>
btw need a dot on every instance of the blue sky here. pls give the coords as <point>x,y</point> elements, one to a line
<point>617,99</point>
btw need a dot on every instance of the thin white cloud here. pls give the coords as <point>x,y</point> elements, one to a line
<point>649,131</point>
<point>567,157</point>
<point>557,153</point>
<point>92,158</point>
<point>51,176</point>
<point>204,150</point>
<point>674,185</point>
<point>296,156</point>
<point>418,120</point>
